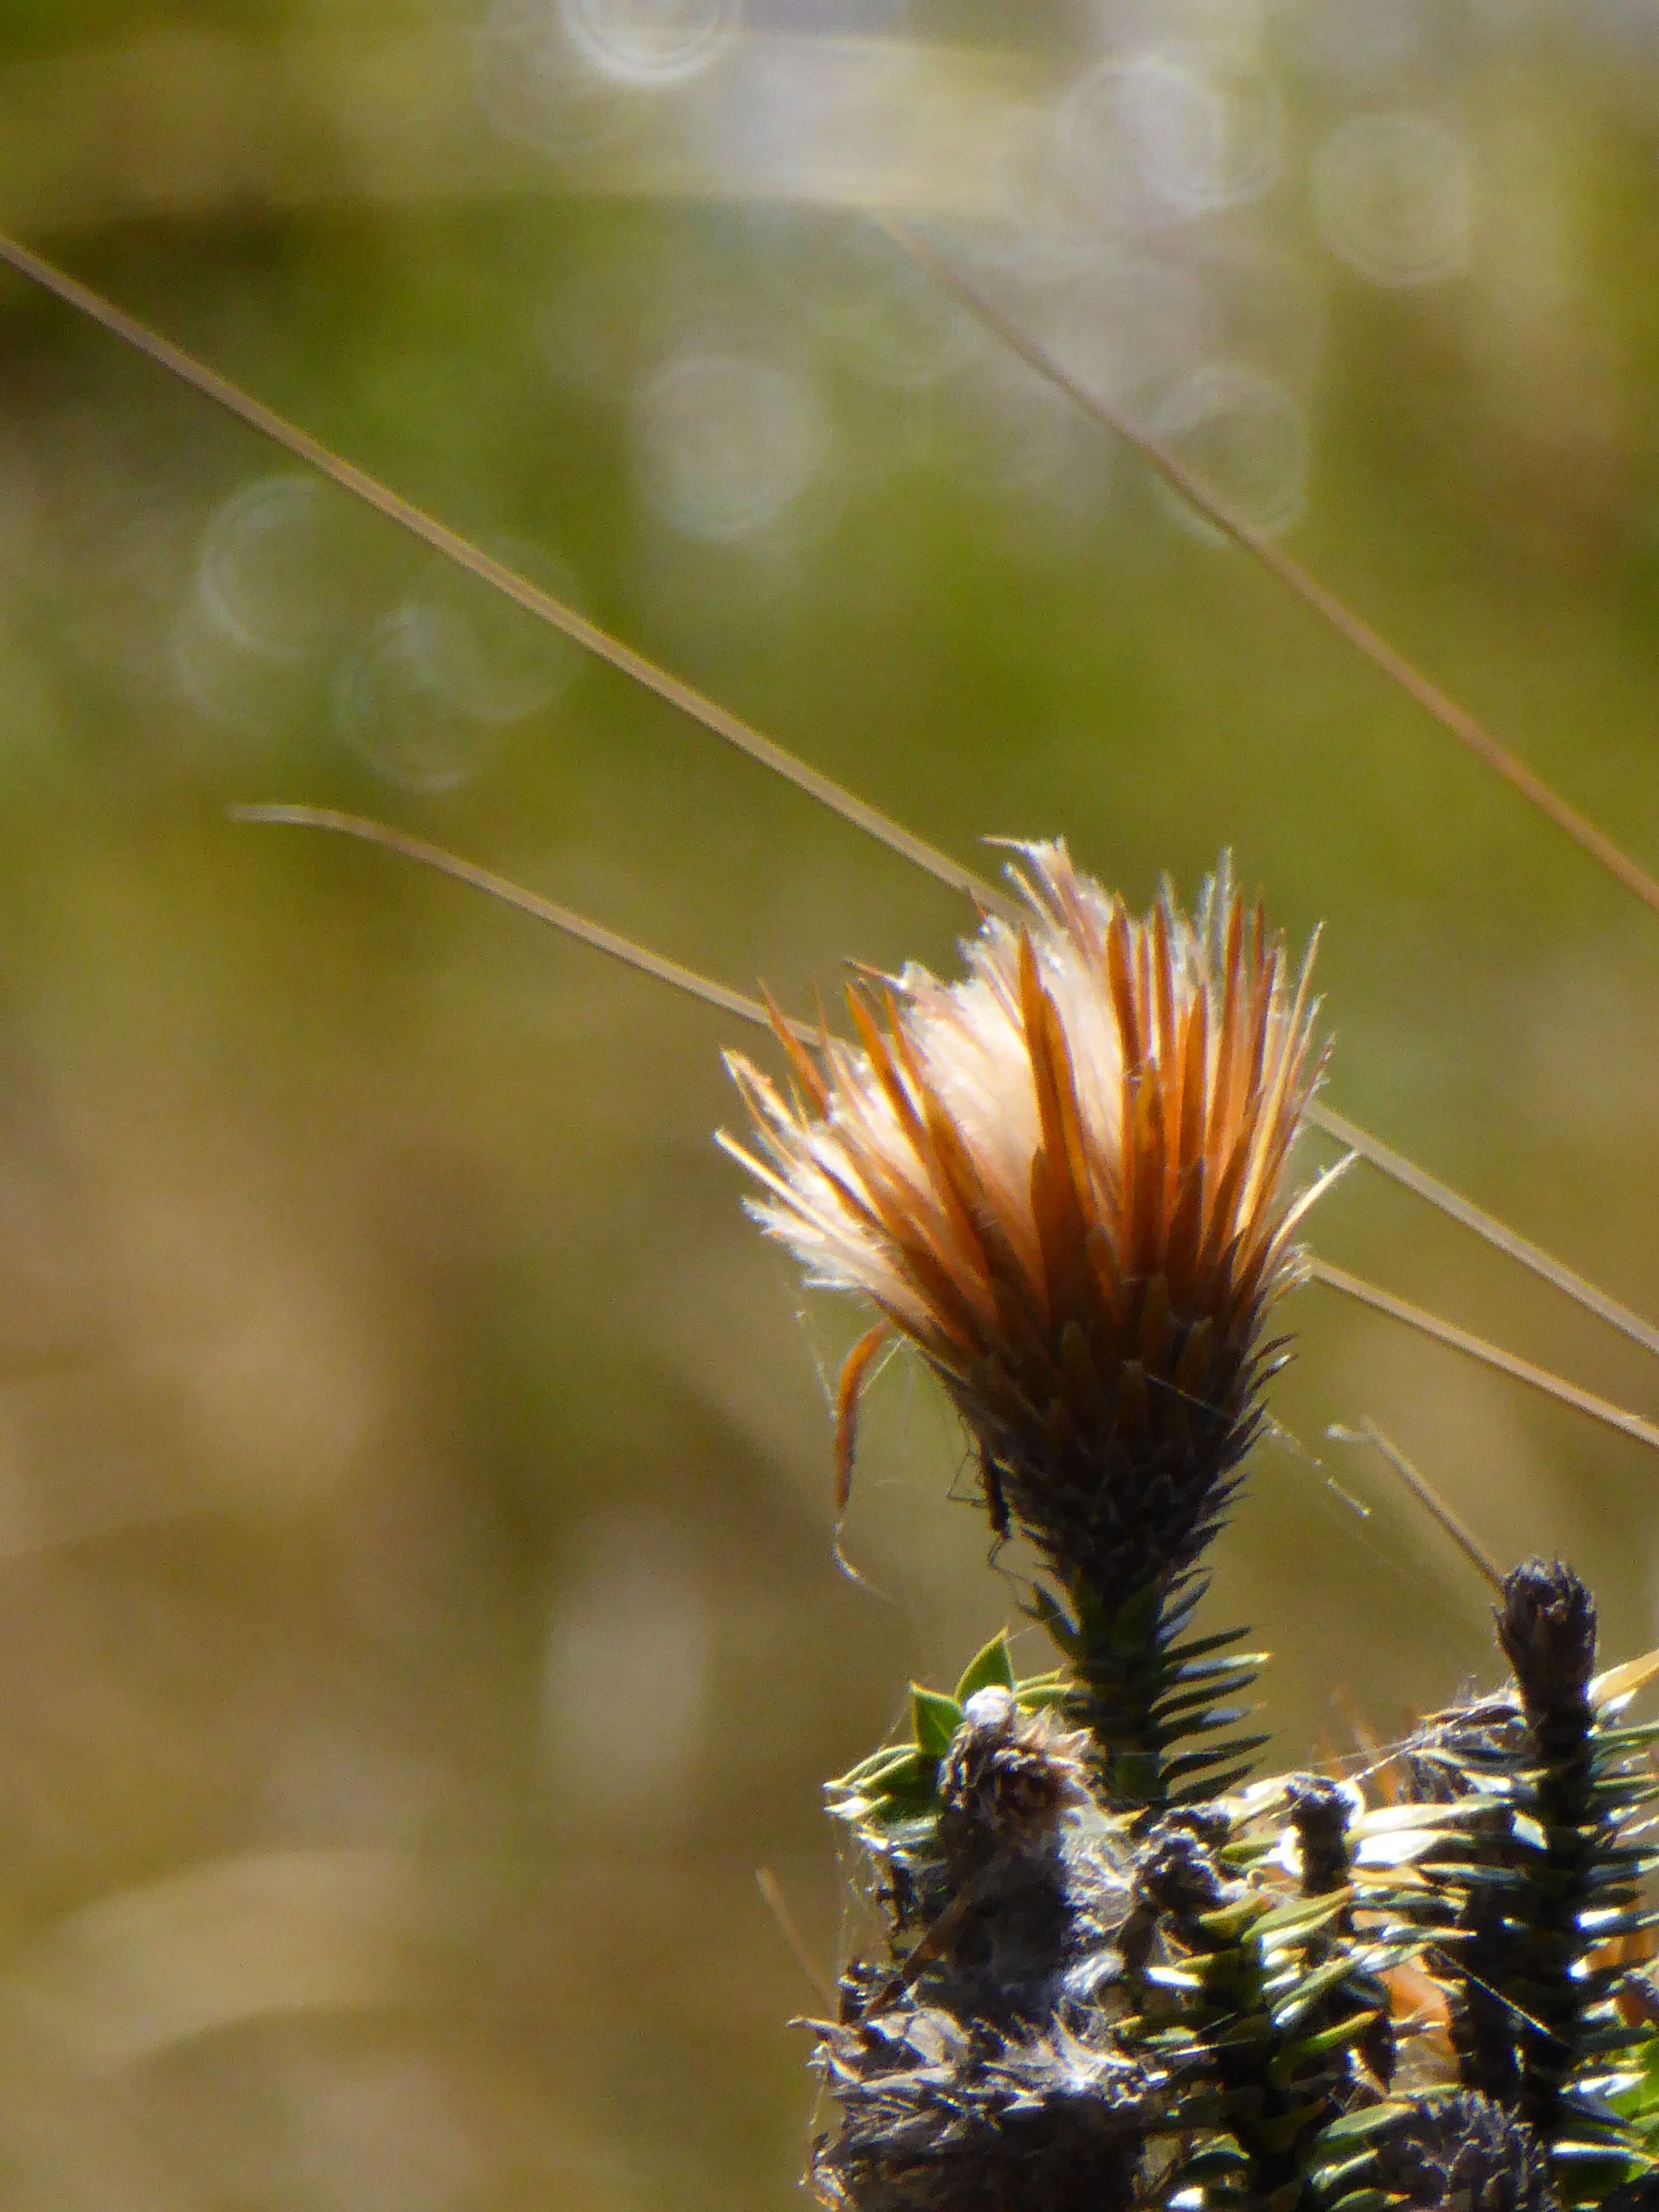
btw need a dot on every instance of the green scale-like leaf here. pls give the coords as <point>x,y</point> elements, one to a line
<point>935,1719</point>
<point>991,1669</point>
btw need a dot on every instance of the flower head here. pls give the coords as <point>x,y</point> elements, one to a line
<point>1061,1179</point>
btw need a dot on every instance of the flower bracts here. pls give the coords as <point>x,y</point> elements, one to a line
<point>1062,1180</point>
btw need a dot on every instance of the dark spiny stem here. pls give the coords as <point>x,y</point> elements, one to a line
<point>1157,1705</point>
<point>1546,1626</point>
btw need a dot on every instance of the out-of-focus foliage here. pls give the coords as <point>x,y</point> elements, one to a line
<point>417,1613</point>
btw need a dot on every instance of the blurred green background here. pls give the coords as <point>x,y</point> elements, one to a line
<point>418,1616</point>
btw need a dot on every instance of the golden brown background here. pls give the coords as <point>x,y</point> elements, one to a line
<point>417,1612</point>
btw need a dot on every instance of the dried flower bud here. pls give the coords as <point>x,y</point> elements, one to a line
<point>1009,1779</point>
<point>1319,1813</point>
<point>938,2118</point>
<point>1061,1179</point>
<point>1465,2150</point>
<point>1176,1875</point>
<point>1546,1626</point>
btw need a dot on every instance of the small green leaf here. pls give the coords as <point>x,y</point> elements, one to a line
<point>1383,1820</point>
<point>993,1668</point>
<point>935,1719</point>
<point>1055,1694</point>
<point>1616,2037</point>
<point>1223,2155</point>
<point>914,1778</point>
<point>1213,1785</point>
<point>1300,1917</point>
<point>1359,2127</point>
<point>1134,1627</point>
<point>1174,1977</point>
<point>1291,2063</point>
<point>1332,2181</point>
<point>1278,2133</point>
<point>1179,1654</point>
<point>1194,1762</point>
<point>871,1773</point>
<point>1227,1922</point>
<point>1601,1925</point>
<point>1047,1609</point>
<point>902,1832</point>
<point>1607,2152</point>
<point>1627,1738</point>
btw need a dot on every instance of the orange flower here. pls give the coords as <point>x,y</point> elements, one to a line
<point>1062,1179</point>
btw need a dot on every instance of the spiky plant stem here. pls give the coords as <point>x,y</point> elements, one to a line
<point>1548,1628</point>
<point>1144,1689</point>
<point>1543,1877</point>
<point>1245,2011</point>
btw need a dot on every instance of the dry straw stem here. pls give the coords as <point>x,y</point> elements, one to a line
<point>564,919</point>
<point>772,1895</point>
<point>1426,1496</point>
<point>1476,1348</point>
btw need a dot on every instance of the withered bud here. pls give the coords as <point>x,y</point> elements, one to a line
<point>937,2118</point>
<point>1546,1626</point>
<point>1008,1780</point>
<point>1211,1824</point>
<point>1319,1813</point>
<point>1177,1877</point>
<point>1465,2150</point>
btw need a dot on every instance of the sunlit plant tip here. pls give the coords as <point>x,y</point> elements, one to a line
<point>1062,1179</point>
